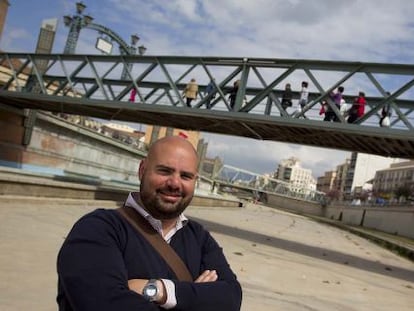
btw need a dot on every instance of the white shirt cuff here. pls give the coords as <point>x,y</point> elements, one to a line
<point>171,301</point>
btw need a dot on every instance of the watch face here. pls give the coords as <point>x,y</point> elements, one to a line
<point>151,290</point>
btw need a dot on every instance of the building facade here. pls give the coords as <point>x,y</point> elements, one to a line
<point>362,169</point>
<point>153,133</point>
<point>333,182</point>
<point>341,175</point>
<point>326,182</point>
<point>300,178</point>
<point>387,181</point>
<point>354,176</point>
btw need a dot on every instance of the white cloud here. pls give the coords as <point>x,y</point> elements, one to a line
<point>16,37</point>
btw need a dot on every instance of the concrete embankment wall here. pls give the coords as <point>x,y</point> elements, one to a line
<point>391,219</point>
<point>295,205</point>
<point>63,148</point>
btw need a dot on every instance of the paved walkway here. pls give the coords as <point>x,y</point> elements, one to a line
<point>284,261</point>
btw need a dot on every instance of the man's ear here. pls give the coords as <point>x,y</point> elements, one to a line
<point>141,168</point>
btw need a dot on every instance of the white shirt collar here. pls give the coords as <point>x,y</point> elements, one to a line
<point>156,223</point>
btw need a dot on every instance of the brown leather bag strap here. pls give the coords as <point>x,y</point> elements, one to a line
<point>156,240</point>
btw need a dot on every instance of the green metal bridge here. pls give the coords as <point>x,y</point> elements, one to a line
<point>90,85</point>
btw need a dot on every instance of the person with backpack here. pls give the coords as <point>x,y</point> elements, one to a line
<point>386,113</point>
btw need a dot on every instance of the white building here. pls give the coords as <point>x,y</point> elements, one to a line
<point>300,178</point>
<point>362,169</point>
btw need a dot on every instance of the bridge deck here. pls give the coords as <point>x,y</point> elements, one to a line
<point>380,141</point>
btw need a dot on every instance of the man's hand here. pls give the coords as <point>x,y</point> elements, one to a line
<point>207,276</point>
<point>137,285</point>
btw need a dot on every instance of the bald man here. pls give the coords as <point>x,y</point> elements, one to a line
<point>105,264</point>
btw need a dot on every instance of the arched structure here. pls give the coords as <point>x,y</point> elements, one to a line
<point>79,21</point>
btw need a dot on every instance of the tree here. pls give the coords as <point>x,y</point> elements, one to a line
<point>333,194</point>
<point>405,191</point>
<point>365,195</point>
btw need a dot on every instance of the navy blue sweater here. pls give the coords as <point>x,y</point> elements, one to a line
<point>103,251</point>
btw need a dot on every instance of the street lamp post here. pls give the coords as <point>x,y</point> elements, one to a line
<point>132,50</point>
<point>80,20</point>
<point>75,24</point>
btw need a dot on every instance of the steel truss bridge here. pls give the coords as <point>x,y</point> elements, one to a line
<point>243,183</point>
<point>90,85</point>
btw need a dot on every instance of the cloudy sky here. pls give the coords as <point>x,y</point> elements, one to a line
<point>353,30</point>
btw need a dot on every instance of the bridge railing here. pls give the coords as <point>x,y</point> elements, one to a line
<point>258,184</point>
<point>160,80</point>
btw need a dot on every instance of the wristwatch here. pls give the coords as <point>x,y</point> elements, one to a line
<point>150,291</point>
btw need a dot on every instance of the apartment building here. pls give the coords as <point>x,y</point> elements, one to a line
<point>361,171</point>
<point>388,180</point>
<point>300,178</point>
<point>326,182</point>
